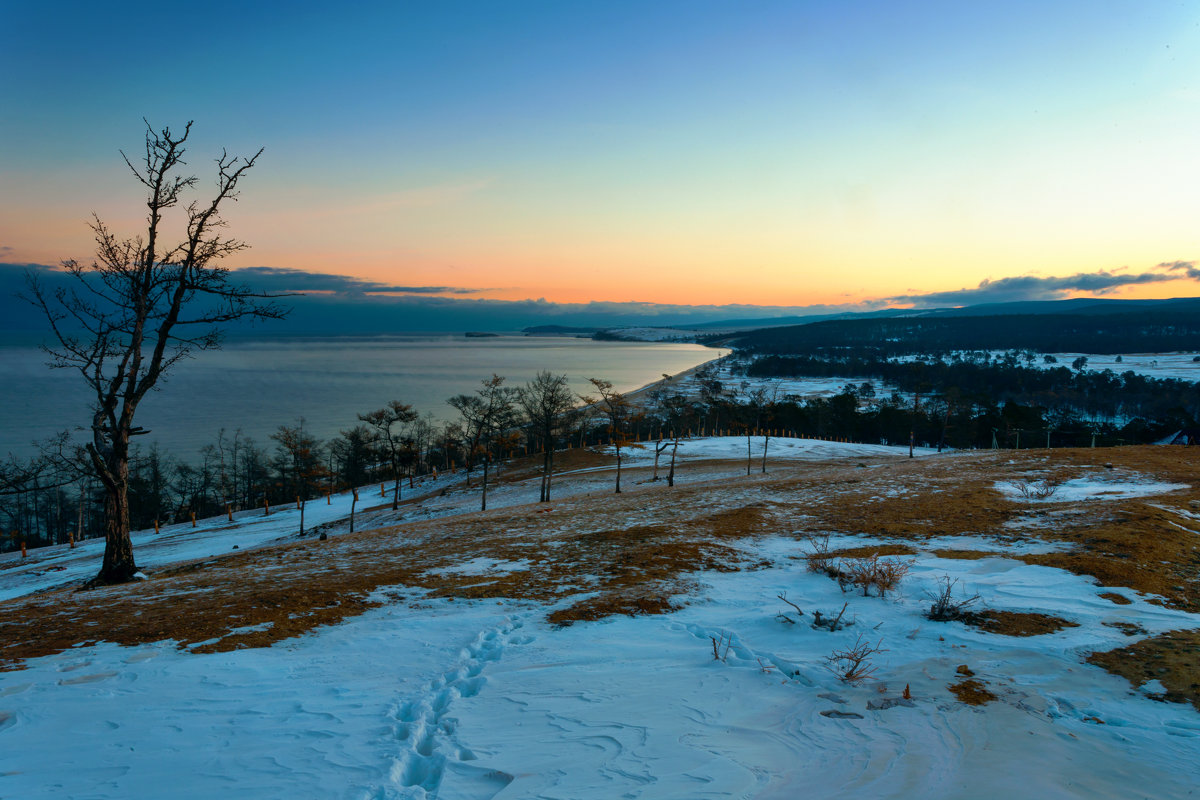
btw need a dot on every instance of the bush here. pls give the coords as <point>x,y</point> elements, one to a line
<point>946,606</point>
<point>872,571</point>
<point>853,665</point>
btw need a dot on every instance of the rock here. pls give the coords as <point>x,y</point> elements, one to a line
<point>323,536</point>
<point>888,702</point>
<point>833,713</point>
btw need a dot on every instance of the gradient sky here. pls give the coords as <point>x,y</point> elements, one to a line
<point>783,154</point>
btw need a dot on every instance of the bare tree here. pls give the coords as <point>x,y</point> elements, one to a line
<point>390,423</point>
<point>299,462</point>
<point>485,414</point>
<point>547,402</point>
<point>616,409</point>
<point>140,307</point>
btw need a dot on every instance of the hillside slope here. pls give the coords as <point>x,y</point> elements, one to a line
<point>657,643</point>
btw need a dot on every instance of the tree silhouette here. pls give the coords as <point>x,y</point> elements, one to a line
<point>143,305</point>
<point>547,402</point>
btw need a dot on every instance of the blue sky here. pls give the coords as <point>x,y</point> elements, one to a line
<point>762,153</point>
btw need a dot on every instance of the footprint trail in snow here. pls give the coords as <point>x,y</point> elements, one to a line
<point>433,762</point>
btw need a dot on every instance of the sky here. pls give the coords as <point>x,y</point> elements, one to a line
<point>791,155</point>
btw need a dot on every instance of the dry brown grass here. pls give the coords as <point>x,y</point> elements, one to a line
<point>290,589</point>
<point>639,552</point>
<point>1113,597</point>
<point>972,692</point>
<point>968,554</point>
<point>1171,658</point>
<point>1015,623</point>
<point>866,551</point>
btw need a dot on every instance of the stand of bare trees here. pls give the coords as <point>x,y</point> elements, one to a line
<point>547,402</point>
<point>391,425</point>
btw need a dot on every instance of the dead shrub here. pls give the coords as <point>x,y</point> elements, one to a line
<point>819,558</point>
<point>831,623</point>
<point>869,572</point>
<point>853,665</point>
<point>946,606</point>
<point>721,645</point>
<point>1042,489</point>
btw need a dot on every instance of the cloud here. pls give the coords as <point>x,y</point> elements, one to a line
<point>337,304</point>
<point>1032,287</point>
<point>1188,268</point>
<point>277,279</point>
<point>5,250</point>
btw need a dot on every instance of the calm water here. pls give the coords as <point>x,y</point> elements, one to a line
<point>257,385</point>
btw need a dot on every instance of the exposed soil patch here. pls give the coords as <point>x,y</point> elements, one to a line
<point>1171,658</point>
<point>1127,628</point>
<point>969,554</point>
<point>867,551</point>
<point>972,692</point>
<point>1113,597</point>
<point>1015,623</point>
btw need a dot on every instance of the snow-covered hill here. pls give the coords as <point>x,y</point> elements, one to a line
<point>438,669</point>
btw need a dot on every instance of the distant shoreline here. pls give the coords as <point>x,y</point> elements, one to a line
<point>687,373</point>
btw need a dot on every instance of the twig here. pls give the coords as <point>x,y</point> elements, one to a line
<point>783,596</point>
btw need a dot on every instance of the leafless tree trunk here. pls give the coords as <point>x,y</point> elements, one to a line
<point>139,308</point>
<point>615,406</point>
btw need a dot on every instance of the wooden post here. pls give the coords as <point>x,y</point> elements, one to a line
<point>266,506</point>
<point>156,525</point>
<point>229,511</point>
<point>328,498</point>
<point>71,537</point>
<point>297,502</point>
<point>193,519</point>
<point>24,554</point>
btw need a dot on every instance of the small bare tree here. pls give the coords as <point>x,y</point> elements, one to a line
<point>299,463</point>
<point>142,306</point>
<point>616,409</point>
<point>547,402</point>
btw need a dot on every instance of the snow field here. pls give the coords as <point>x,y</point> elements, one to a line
<point>427,698</point>
<point>637,707</point>
<point>454,699</point>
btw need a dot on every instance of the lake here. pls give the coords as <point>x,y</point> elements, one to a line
<point>259,384</point>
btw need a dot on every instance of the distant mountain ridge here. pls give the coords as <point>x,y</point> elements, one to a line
<point>1078,305</point>
<point>1087,326</point>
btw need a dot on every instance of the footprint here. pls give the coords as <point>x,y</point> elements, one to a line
<point>471,687</point>
<point>408,712</point>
